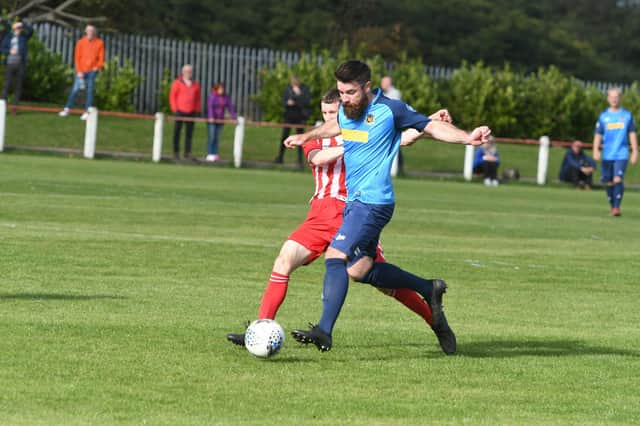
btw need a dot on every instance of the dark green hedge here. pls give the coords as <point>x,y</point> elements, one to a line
<point>547,102</point>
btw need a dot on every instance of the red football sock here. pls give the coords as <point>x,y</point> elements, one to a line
<point>273,296</point>
<point>413,301</point>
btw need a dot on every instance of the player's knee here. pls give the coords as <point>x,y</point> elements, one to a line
<point>282,264</point>
<point>617,179</point>
<point>333,253</point>
<point>360,269</point>
<point>286,263</point>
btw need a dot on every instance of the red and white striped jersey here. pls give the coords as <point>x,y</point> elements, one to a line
<point>329,178</point>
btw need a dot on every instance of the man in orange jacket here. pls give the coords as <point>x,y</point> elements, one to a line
<point>185,101</point>
<point>89,60</point>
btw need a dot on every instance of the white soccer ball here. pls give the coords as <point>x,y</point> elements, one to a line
<point>264,338</point>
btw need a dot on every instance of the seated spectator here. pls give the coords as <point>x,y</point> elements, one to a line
<point>486,162</point>
<point>577,167</point>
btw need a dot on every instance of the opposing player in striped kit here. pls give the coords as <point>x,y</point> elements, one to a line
<point>311,239</point>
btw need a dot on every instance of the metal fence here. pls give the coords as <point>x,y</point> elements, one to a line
<point>237,67</point>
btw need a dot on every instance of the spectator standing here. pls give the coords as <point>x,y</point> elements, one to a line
<point>390,91</point>
<point>577,167</point>
<point>15,47</point>
<point>486,162</point>
<point>185,101</point>
<point>89,60</point>
<point>217,103</point>
<point>296,99</point>
<point>615,133</point>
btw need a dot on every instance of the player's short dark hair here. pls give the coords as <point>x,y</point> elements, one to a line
<point>353,70</point>
<point>331,97</point>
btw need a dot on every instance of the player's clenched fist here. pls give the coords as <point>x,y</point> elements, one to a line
<point>294,140</point>
<point>442,115</point>
<point>479,135</point>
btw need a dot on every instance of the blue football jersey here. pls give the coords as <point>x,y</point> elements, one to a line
<point>615,126</point>
<point>371,142</point>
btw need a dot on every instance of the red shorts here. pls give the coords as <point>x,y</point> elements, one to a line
<point>320,226</point>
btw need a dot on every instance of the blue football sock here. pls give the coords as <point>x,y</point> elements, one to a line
<point>618,192</point>
<point>334,291</point>
<point>610,194</point>
<point>386,275</point>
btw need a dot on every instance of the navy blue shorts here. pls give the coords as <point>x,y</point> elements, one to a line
<point>361,228</point>
<point>611,168</point>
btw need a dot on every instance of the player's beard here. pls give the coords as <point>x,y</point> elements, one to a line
<point>355,111</point>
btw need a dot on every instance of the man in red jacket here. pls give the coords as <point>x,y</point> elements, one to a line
<point>185,101</point>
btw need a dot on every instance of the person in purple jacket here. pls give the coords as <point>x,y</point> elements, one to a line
<point>217,103</point>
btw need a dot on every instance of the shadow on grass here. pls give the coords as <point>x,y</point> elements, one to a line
<point>56,296</point>
<point>497,348</point>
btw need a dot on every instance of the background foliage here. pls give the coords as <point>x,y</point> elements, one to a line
<point>47,76</point>
<point>590,39</point>
<point>546,102</point>
<point>505,48</point>
<point>316,71</point>
<point>115,85</point>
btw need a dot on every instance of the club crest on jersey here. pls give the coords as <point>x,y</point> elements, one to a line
<point>370,119</point>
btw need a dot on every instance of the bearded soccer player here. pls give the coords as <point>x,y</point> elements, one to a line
<point>615,133</point>
<point>371,126</point>
<point>313,236</point>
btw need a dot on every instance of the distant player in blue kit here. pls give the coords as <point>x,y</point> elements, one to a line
<point>371,127</point>
<point>615,133</point>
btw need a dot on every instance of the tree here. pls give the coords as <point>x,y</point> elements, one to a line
<point>51,11</point>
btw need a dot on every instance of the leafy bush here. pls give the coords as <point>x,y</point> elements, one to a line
<point>316,71</point>
<point>631,101</point>
<point>115,85</point>
<point>546,102</point>
<point>164,90</point>
<point>418,89</point>
<point>468,95</point>
<point>47,76</point>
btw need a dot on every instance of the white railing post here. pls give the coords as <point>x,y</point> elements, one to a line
<point>158,127</point>
<point>395,164</point>
<point>3,121</point>
<point>90,133</point>
<point>467,171</point>
<point>543,160</point>
<point>238,141</point>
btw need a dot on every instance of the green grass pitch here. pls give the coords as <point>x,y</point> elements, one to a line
<point>119,280</point>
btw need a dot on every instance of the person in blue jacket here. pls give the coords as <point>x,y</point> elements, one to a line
<point>486,162</point>
<point>577,167</point>
<point>15,48</point>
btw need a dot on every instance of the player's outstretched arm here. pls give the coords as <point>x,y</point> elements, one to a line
<point>321,157</point>
<point>447,132</point>
<point>411,136</point>
<point>328,130</point>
